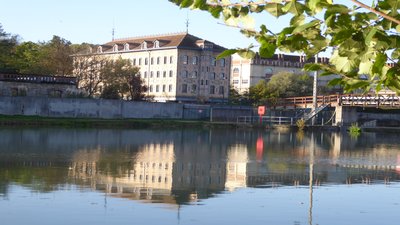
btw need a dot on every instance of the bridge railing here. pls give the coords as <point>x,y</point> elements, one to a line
<point>307,100</point>
<point>38,78</point>
<point>273,120</point>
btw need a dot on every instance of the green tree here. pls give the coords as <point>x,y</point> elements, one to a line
<point>364,38</point>
<point>8,43</point>
<point>57,58</point>
<point>110,92</point>
<point>286,84</point>
<point>28,58</point>
<point>88,70</point>
<point>258,94</point>
<point>125,78</point>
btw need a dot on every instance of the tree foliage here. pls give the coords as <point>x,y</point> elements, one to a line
<point>7,48</point>
<point>88,71</point>
<point>281,85</point>
<point>364,40</point>
<point>125,78</point>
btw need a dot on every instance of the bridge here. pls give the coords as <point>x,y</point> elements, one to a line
<point>345,106</point>
<point>376,101</point>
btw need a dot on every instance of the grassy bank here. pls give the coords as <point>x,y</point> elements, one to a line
<point>35,121</point>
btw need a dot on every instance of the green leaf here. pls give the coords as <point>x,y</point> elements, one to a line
<point>303,27</point>
<point>335,81</point>
<point>267,50</point>
<point>215,11</point>
<point>293,7</point>
<point>200,4</point>
<point>274,9</point>
<point>398,28</point>
<point>186,3</point>
<point>380,62</point>
<point>227,53</point>
<point>246,53</point>
<point>297,20</point>
<point>370,35</point>
<point>342,64</point>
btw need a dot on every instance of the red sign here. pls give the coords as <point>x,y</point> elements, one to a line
<point>261,110</point>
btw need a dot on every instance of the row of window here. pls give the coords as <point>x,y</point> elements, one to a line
<point>158,60</point>
<point>243,81</point>
<point>211,76</point>
<point>195,60</point>
<point>156,88</point>
<point>193,88</point>
<point>157,74</point>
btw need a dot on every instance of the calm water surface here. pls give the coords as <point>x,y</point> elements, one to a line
<point>219,176</point>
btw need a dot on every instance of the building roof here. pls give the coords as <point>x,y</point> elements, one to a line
<point>174,40</point>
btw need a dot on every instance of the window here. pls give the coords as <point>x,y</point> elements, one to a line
<point>151,88</point>
<point>165,59</point>
<point>213,61</point>
<point>201,82</point>
<point>212,89</point>
<point>151,74</point>
<point>163,88</point>
<point>206,82</point>
<point>158,74</point>
<point>170,87</point>
<point>195,60</point>
<point>184,88</point>
<point>236,82</point>
<point>143,45</point>
<point>134,62</point>
<point>245,81</point>
<point>194,88</point>
<point>146,61</point>
<point>211,76</point>
<point>221,90</point>
<point>185,59</point>
<point>184,74</point>
<point>126,47</point>
<point>115,48</point>
<point>222,62</point>
<point>171,59</point>
<point>157,88</point>
<point>164,74</point>
<point>158,60</point>
<point>156,44</point>
<point>194,74</point>
<point>145,74</point>
<point>152,61</point>
<point>140,61</point>
<point>99,49</point>
<point>171,73</point>
<point>235,72</point>
<point>222,76</point>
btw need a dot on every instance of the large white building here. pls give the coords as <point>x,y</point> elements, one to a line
<point>175,67</point>
<point>248,72</point>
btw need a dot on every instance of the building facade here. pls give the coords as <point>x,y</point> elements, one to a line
<point>175,67</point>
<point>248,72</point>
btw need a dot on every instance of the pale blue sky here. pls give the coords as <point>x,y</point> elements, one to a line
<point>92,21</point>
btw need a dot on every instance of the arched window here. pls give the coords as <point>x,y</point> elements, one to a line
<point>143,45</point>
<point>235,72</point>
<point>100,49</point>
<point>194,74</point>
<point>222,62</point>
<point>126,47</point>
<point>156,44</point>
<point>185,59</point>
<point>115,48</point>
<point>195,60</point>
<point>158,60</point>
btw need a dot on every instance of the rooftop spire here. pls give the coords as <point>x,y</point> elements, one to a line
<point>187,22</point>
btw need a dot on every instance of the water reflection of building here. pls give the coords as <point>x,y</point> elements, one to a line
<point>236,167</point>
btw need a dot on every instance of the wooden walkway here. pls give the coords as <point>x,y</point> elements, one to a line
<point>376,101</point>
